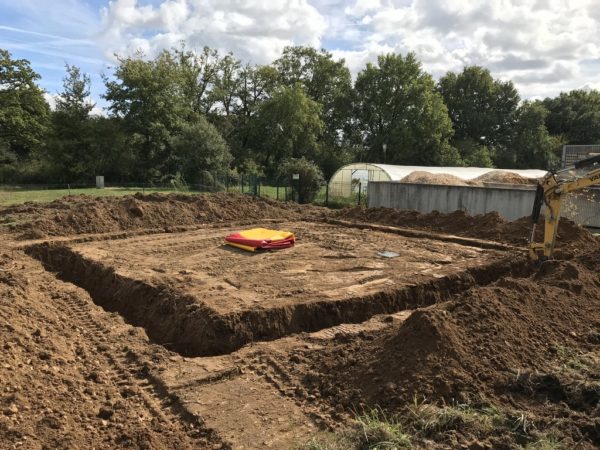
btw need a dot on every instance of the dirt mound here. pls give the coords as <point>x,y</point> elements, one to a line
<point>525,343</point>
<point>423,177</point>
<point>497,176</point>
<point>71,378</point>
<point>485,226</point>
<point>85,214</point>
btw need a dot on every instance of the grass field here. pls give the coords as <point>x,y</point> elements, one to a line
<point>15,197</point>
<point>18,196</point>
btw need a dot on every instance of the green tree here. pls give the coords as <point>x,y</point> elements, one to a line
<point>23,110</point>
<point>396,104</point>
<point>114,157</point>
<point>198,147</point>
<point>534,147</point>
<point>575,115</point>
<point>255,84</point>
<point>198,72</point>
<point>149,97</point>
<point>329,83</point>
<point>311,178</point>
<point>287,125</point>
<point>70,148</point>
<point>227,84</point>
<point>483,112</point>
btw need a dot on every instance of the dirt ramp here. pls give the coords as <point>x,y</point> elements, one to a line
<point>85,214</point>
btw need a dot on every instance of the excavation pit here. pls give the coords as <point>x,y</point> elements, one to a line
<point>199,297</point>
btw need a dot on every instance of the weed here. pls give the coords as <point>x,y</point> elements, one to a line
<point>377,432</point>
<point>544,444</point>
<point>428,419</point>
<point>370,431</point>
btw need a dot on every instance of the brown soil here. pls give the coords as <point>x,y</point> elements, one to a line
<point>83,214</point>
<point>460,322</point>
<point>227,298</point>
<point>512,343</point>
<point>486,226</point>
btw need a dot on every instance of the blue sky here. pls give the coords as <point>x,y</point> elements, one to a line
<point>544,46</point>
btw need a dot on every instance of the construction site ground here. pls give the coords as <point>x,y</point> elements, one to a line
<point>127,323</point>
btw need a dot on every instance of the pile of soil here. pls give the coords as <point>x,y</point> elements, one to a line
<point>520,342</point>
<point>484,226</point>
<point>85,214</point>
<point>497,176</point>
<point>423,177</point>
<point>73,376</point>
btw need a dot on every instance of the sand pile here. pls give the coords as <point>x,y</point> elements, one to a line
<point>497,176</point>
<point>422,177</point>
<point>85,214</point>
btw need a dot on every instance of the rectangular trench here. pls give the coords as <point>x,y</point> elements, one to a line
<point>182,323</point>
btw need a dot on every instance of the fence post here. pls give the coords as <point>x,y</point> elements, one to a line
<point>327,194</point>
<point>277,190</point>
<point>69,188</point>
<point>359,191</point>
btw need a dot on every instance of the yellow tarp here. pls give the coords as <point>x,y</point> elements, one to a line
<point>262,238</point>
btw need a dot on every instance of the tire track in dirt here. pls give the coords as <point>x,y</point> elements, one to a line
<point>133,377</point>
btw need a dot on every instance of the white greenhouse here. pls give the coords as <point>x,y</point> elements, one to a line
<point>351,178</point>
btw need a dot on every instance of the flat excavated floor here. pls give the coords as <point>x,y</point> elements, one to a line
<point>193,292</point>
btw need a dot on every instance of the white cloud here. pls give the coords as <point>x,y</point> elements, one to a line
<point>539,44</point>
<point>255,30</point>
<point>96,110</point>
<point>51,100</point>
<point>545,46</point>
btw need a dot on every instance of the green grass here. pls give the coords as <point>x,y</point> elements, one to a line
<point>370,431</point>
<point>422,422</point>
<point>15,197</point>
<point>18,196</point>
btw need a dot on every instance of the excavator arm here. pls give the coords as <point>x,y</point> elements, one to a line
<point>550,193</point>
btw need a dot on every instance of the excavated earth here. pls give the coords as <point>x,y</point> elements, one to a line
<point>126,323</point>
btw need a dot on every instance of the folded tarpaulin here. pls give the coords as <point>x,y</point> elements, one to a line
<point>261,238</point>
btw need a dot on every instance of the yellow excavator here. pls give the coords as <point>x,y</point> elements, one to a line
<point>551,191</point>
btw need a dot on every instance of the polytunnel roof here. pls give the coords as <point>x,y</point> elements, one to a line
<point>396,173</point>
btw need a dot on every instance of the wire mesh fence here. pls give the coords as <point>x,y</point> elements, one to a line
<point>583,207</point>
<point>276,188</point>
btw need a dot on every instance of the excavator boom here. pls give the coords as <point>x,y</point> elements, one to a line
<point>551,191</point>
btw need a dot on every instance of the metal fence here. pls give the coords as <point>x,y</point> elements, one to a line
<point>282,188</point>
<point>583,207</point>
<point>573,153</point>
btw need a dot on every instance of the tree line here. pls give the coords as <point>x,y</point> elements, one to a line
<point>185,113</point>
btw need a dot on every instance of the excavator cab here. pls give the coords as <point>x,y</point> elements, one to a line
<point>550,193</point>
